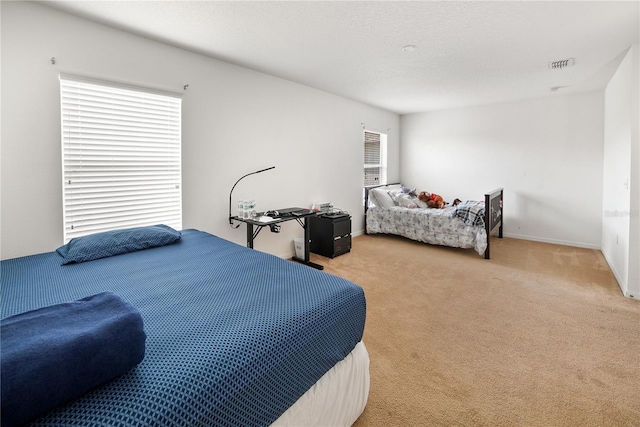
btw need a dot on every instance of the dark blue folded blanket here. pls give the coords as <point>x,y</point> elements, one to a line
<point>56,353</point>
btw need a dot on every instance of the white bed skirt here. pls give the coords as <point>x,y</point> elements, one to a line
<point>337,399</point>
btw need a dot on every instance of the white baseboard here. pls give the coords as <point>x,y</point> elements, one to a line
<point>554,241</point>
<point>624,288</point>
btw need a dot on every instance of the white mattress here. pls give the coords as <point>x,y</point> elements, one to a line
<point>337,399</point>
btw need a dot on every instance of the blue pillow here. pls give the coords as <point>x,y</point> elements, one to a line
<point>116,242</point>
<point>54,354</point>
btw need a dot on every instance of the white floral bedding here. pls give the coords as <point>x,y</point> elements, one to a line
<point>434,226</point>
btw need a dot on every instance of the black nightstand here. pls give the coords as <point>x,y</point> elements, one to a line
<point>330,234</point>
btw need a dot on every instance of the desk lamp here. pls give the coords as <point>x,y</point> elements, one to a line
<point>234,186</point>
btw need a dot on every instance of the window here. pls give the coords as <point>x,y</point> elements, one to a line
<point>375,158</point>
<point>121,150</point>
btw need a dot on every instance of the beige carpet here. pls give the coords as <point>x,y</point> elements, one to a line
<point>540,335</point>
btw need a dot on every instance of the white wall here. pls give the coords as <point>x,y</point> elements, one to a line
<point>234,121</point>
<point>621,178</point>
<point>546,153</point>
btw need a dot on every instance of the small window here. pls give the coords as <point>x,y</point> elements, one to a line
<point>375,158</point>
<point>121,155</point>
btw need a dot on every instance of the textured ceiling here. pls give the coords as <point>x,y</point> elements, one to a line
<point>467,53</point>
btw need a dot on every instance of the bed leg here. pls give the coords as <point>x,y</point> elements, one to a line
<point>501,215</point>
<point>487,222</point>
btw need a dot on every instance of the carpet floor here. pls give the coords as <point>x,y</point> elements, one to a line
<point>540,335</point>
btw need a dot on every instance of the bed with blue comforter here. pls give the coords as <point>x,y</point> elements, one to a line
<point>233,336</point>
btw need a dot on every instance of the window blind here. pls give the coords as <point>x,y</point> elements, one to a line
<point>121,158</point>
<point>374,159</point>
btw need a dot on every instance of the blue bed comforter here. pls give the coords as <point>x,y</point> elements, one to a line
<point>234,336</point>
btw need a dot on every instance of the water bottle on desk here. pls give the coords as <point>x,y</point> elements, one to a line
<point>251,211</point>
<point>240,209</point>
<point>245,207</point>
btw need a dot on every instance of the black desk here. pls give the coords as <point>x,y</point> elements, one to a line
<point>302,219</point>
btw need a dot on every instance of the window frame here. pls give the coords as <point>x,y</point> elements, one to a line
<point>121,156</point>
<point>373,138</point>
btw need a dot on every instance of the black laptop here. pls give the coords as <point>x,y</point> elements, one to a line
<point>287,212</point>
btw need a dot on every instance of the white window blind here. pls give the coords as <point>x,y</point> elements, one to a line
<point>375,158</point>
<point>121,158</point>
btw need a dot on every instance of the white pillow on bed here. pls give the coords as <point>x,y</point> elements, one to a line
<point>381,198</point>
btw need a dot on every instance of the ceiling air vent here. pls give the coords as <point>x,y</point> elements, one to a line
<point>563,63</point>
